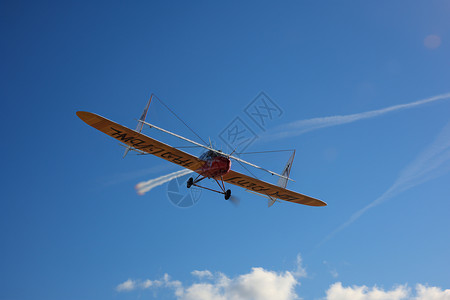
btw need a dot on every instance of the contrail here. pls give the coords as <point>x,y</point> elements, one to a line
<point>145,186</point>
<point>433,162</point>
<point>302,126</point>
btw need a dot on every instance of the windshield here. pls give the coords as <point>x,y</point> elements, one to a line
<point>209,155</point>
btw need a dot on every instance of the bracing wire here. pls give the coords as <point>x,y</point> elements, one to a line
<point>179,119</point>
<point>257,152</point>
<point>251,173</point>
<point>205,144</point>
<point>177,147</point>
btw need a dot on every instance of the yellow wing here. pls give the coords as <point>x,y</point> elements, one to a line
<point>140,141</point>
<point>267,189</point>
<point>146,144</point>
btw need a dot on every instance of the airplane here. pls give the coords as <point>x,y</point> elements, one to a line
<point>212,164</point>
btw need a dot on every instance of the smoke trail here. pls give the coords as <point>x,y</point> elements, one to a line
<point>145,186</point>
<point>433,162</point>
<point>117,178</point>
<point>302,126</point>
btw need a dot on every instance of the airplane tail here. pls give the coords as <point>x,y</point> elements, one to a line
<point>140,124</point>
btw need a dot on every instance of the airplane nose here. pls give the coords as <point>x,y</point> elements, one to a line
<point>228,164</point>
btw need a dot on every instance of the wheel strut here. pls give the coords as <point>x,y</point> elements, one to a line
<point>193,182</point>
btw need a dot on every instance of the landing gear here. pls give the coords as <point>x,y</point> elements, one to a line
<point>193,182</point>
<point>227,194</point>
<point>190,182</point>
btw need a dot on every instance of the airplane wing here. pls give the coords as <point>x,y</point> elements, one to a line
<point>267,189</point>
<point>140,141</point>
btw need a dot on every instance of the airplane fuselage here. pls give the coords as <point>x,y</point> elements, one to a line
<point>215,165</point>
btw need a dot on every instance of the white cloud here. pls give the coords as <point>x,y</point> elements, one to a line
<point>128,285</point>
<point>333,272</point>
<point>431,293</point>
<point>258,284</point>
<point>262,284</point>
<point>150,283</point>
<point>300,271</point>
<point>339,292</point>
<point>202,274</point>
<point>165,281</point>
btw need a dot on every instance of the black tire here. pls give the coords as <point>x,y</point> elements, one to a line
<point>190,182</point>
<point>227,194</point>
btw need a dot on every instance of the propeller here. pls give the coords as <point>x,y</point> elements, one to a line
<point>235,200</point>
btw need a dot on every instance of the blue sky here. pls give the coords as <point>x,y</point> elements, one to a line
<point>72,225</point>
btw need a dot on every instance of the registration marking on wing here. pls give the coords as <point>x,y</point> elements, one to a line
<point>268,189</point>
<point>140,141</point>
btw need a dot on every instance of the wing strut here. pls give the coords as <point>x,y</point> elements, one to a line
<point>214,150</point>
<point>140,125</point>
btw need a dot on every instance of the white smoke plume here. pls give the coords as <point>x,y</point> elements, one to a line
<point>145,186</point>
<point>434,161</point>
<point>302,126</point>
<point>117,178</point>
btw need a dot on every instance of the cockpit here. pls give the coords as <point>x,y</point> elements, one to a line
<point>208,155</point>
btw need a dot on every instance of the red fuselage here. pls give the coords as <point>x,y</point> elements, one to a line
<point>216,166</point>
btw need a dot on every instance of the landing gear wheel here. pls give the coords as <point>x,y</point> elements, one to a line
<point>190,182</point>
<point>227,194</point>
